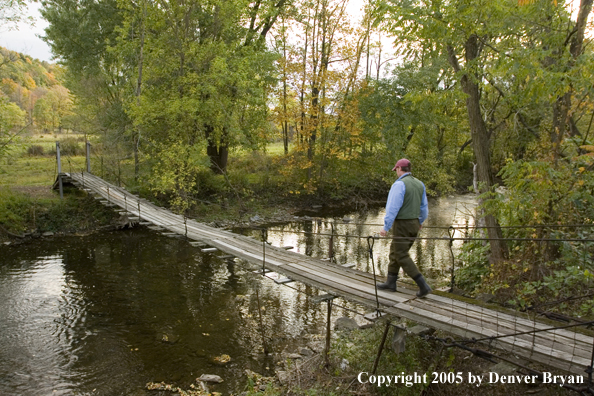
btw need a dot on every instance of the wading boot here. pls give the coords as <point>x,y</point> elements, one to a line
<point>424,288</point>
<point>390,284</point>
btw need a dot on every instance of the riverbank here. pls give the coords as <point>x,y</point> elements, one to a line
<point>30,212</point>
<point>410,364</point>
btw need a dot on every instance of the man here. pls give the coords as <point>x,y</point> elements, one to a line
<point>406,210</point>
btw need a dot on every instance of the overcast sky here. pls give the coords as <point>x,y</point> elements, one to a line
<point>26,39</point>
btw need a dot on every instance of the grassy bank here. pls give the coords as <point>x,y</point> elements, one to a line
<point>28,206</point>
<point>32,211</point>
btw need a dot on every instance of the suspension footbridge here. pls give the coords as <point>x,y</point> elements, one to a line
<point>561,347</point>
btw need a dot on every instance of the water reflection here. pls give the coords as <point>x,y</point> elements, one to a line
<point>350,246</point>
<point>109,313</point>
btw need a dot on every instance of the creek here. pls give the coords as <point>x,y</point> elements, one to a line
<point>107,313</point>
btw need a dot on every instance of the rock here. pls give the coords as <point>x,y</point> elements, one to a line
<point>294,356</point>
<point>316,206</point>
<point>306,352</point>
<point>251,374</point>
<point>344,364</point>
<point>283,377</point>
<point>399,340</point>
<point>421,330</point>
<point>485,297</point>
<point>347,219</point>
<point>210,378</point>
<point>6,243</point>
<point>316,346</point>
<point>345,324</point>
<point>503,368</point>
<point>47,234</point>
<point>255,219</point>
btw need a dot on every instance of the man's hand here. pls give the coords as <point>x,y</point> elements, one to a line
<point>383,233</point>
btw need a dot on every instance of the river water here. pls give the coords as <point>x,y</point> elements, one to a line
<point>107,313</point>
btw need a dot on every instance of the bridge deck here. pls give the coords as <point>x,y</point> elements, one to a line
<point>562,348</point>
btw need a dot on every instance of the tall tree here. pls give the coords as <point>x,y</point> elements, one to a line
<point>206,75</point>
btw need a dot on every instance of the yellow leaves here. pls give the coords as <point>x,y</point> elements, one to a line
<point>526,2</point>
<point>223,359</point>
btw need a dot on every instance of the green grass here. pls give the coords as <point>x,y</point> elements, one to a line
<point>22,169</point>
<point>35,171</point>
<point>275,149</point>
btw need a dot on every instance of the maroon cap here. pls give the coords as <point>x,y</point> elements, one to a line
<point>401,162</point>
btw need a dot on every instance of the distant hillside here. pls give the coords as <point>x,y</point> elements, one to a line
<point>35,87</point>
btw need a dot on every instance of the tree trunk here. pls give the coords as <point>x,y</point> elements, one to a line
<point>480,140</point>
<point>136,131</point>
<point>218,152</point>
<point>563,121</point>
<point>218,155</point>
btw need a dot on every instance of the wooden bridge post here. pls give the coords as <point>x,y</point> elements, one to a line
<point>328,330</point>
<point>88,156</point>
<point>331,244</point>
<point>59,170</point>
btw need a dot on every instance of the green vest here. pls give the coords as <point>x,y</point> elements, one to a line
<point>413,196</point>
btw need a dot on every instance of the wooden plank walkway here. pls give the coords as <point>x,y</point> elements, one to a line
<point>563,349</point>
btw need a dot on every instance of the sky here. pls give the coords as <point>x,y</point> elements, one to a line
<point>26,39</point>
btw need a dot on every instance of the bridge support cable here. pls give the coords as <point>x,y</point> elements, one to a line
<point>451,232</point>
<point>381,347</point>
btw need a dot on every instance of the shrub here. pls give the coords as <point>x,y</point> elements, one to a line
<point>35,150</point>
<point>70,146</point>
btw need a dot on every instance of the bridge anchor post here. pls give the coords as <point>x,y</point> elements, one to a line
<point>328,330</point>
<point>58,158</point>
<point>88,156</point>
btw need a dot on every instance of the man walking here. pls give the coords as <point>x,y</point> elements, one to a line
<point>406,210</point>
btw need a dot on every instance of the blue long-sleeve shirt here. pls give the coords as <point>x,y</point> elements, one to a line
<point>395,200</point>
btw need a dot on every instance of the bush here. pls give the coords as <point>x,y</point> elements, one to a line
<point>35,150</point>
<point>70,146</point>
